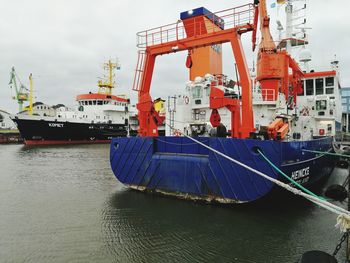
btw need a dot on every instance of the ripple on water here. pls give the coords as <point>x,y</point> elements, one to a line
<point>63,204</point>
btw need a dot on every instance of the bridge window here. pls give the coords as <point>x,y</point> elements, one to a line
<point>309,87</point>
<point>94,102</point>
<point>319,86</point>
<point>197,92</point>
<point>329,81</point>
<point>99,102</point>
<point>90,102</point>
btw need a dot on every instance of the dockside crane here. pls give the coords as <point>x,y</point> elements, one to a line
<point>22,93</point>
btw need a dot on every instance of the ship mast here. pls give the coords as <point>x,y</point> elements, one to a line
<point>30,94</point>
<point>105,86</point>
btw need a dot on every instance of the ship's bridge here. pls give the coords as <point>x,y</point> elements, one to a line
<point>101,99</point>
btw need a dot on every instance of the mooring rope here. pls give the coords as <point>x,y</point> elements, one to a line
<point>287,177</point>
<point>343,219</point>
<point>328,153</point>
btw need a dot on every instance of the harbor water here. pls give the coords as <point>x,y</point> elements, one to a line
<point>63,204</point>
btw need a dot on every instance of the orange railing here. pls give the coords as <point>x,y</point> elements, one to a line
<point>229,18</point>
<point>268,94</point>
<point>261,95</point>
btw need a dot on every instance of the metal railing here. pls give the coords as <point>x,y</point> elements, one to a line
<point>229,18</point>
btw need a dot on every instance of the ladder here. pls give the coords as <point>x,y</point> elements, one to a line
<point>139,70</point>
<point>171,110</point>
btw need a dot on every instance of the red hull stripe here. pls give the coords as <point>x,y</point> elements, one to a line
<point>319,74</point>
<point>97,96</point>
<point>48,142</point>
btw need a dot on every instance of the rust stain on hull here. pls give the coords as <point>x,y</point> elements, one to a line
<point>187,196</point>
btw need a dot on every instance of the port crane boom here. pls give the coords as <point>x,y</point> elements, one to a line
<point>21,92</point>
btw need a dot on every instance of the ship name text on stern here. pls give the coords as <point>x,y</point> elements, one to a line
<point>302,174</point>
<point>56,125</point>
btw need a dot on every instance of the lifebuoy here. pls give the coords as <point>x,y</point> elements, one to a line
<point>186,100</point>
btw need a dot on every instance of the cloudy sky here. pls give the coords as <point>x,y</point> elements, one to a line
<point>64,43</point>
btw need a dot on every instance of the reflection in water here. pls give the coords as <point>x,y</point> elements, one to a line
<point>50,211</point>
<point>140,227</point>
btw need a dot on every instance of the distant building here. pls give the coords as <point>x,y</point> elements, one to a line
<point>345,101</point>
<point>5,121</point>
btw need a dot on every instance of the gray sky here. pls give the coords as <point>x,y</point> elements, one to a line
<point>64,43</point>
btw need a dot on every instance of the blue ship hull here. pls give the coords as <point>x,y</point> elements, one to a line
<point>180,167</point>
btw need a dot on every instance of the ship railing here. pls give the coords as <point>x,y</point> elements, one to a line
<point>226,19</point>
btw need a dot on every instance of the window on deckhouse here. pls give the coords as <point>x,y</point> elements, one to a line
<point>309,87</point>
<point>319,86</point>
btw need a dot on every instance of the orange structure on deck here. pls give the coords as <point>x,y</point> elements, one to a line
<point>203,60</point>
<point>273,65</point>
<point>201,64</point>
<point>278,129</point>
<point>191,34</point>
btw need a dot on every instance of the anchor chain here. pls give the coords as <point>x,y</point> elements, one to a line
<point>338,247</point>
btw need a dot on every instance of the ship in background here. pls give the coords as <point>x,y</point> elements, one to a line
<point>96,119</point>
<point>286,113</point>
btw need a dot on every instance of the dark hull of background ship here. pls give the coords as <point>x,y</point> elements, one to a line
<point>39,132</point>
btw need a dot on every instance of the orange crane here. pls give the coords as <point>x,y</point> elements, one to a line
<point>200,28</point>
<point>272,64</point>
<point>273,70</point>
